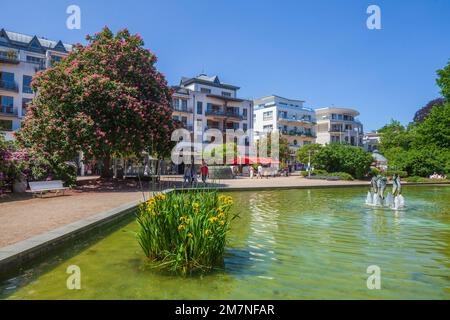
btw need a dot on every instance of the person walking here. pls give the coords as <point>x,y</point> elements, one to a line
<point>194,176</point>
<point>260,171</point>
<point>204,171</point>
<point>187,175</point>
<point>252,172</point>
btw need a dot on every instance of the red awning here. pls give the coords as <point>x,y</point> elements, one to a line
<point>252,160</point>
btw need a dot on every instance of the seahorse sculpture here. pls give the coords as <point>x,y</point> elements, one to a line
<point>381,186</point>
<point>396,186</point>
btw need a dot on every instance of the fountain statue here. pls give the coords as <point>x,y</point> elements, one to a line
<point>375,197</point>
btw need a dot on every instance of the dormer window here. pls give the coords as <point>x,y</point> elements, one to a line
<point>226,94</point>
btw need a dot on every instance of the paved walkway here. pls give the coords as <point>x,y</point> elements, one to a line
<point>22,217</point>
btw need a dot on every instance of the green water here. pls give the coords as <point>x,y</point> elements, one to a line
<point>289,244</point>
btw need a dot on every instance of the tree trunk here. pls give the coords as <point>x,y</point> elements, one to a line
<point>106,172</point>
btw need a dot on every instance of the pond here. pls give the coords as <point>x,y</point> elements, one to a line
<point>287,244</point>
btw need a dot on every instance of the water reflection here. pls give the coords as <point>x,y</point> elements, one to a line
<point>287,244</point>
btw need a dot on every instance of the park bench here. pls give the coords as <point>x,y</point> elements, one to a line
<point>41,187</point>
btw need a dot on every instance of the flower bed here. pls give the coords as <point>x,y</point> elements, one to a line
<point>185,232</point>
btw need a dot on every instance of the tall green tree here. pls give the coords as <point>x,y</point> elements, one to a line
<point>443,81</point>
<point>304,153</point>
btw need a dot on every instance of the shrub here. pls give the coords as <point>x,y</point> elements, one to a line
<point>415,179</point>
<point>342,175</point>
<point>185,232</point>
<point>304,173</point>
<point>319,172</point>
<point>343,158</point>
<point>402,174</point>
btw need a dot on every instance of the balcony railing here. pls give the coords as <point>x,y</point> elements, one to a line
<point>8,110</point>
<point>188,110</point>
<point>343,131</point>
<point>9,85</point>
<point>355,120</point>
<point>296,120</point>
<point>9,59</point>
<point>27,89</point>
<point>212,127</point>
<point>188,127</point>
<point>298,133</point>
<point>220,113</point>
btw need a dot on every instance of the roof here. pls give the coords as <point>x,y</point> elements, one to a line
<point>273,96</point>
<point>207,80</point>
<point>378,156</point>
<point>337,110</point>
<point>33,43</point>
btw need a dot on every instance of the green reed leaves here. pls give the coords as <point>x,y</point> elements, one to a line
<point>185,232</point>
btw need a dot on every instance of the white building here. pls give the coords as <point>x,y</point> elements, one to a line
<point>21,56</point>
<point>371,141</point>
<point>293,121</point>
<point>203,102</point>
<point>339,125</point>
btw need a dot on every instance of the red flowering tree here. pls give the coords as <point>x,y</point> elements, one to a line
<point>105,99</point>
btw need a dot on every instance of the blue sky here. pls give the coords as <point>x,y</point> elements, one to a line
<point>319,51</point>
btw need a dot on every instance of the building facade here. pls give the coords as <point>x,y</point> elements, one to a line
<point>21,56</point>
<point>371,141</point>
<point>290,117</point>
<point>204,102</point>
<point>339,125</point>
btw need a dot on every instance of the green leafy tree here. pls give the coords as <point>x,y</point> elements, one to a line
<point>443,81</point>
<point>344,158</point>
<point>394,135</point>
<point>105,99</point>
<point>423,147</point>
<point>305,151</point>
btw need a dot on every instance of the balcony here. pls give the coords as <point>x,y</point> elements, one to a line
<point>298,133</point>
<point>8,111</point>
<point>9,56</point>
<point>296,121</point>
<point>188,127</point>
<point>345,132</point>
<point>224,114</point>
<point>351,120</point>
<point>9,60</point>
<point>9,85</point>
<point>186,110</point>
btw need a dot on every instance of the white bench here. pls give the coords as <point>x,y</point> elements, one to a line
<point>46,186</point>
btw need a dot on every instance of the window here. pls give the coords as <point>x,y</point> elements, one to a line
<point>282,114</point>
<point>175,103</point>
<point>25,103</point>
<point>176,118</point>
<point>184,120</point>
<point>55,59</point>
<point>268,115</point>
<point>244,113</point>
<point>35,60</point>
<point>268,127</point>
<point>184,104</point>
<point>26,88</point>
<point>7,76</point>
<point>7,104</point>
<point>226,94</point>
<point>244,126</point>
<point>205,90</point>
<point>6,125</point>
<point>199,107</point>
